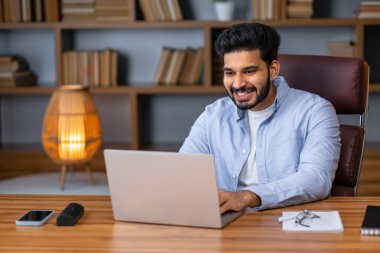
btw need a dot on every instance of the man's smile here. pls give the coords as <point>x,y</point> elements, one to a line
<point>243,92</point>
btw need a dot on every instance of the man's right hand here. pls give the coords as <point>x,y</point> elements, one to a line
<point>237,201</point>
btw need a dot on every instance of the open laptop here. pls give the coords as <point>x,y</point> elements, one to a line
<point>165,188</point>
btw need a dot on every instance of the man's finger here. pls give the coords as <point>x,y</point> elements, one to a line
<point>223,197</point>
<point>223,209</point>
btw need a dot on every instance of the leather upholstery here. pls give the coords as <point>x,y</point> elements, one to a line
<point>344,82</point>
<point>336,79</point>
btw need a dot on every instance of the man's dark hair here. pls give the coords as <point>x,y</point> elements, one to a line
<point>249,37</point>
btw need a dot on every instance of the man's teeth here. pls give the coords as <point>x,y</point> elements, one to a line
<point>240,94</point>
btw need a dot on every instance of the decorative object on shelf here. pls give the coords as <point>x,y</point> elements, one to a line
<point>71,132</point>
<point>224,9</point>
<point>14,72</point>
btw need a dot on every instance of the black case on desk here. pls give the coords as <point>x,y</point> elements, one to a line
<point>70,215</point>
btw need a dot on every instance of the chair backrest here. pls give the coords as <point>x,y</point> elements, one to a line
<point>344,82</point>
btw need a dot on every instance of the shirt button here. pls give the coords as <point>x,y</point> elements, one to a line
<point>233,176</point>
<point>244,151</point>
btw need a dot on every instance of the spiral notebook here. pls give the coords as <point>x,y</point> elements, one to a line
<point>328,221</point>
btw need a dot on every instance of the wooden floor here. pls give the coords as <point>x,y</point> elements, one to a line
<point>17,163</point>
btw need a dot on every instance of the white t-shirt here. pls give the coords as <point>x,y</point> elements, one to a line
<point>248,175</point>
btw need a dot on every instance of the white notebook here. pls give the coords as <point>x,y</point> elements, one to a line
<point>328,221</point>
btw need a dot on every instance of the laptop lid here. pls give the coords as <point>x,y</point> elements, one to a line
<point>163,187</point>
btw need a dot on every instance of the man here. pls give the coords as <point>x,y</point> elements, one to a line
<point>273,145</point>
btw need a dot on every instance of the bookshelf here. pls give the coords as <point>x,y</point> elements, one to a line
<point>137,113</point>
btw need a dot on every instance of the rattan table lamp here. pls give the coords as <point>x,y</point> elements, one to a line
<point>71,132</point>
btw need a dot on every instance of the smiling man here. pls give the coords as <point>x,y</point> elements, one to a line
<point>273,145</point>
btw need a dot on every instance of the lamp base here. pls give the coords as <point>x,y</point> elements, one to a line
<point>71,167</point>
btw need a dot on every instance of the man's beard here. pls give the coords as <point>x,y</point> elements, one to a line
<point>260,96</point>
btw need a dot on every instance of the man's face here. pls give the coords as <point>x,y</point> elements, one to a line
<point>248,81</point>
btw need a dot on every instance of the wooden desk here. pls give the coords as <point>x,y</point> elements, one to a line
<point>98,232</point>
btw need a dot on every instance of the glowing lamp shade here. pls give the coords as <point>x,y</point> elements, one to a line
<point>71,132</point>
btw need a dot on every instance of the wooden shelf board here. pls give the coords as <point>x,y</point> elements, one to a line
<point>26,90</point>
<point>27,25</point>
<point>374,88</point>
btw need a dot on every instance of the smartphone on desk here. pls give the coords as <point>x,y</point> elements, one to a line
<point>35,217</point>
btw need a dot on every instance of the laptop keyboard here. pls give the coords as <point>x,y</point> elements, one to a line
<point>230,216</point>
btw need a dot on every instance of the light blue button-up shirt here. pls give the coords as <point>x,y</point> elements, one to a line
<point>297,148</point>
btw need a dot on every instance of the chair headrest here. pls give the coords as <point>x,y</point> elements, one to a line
<point>342,81</point>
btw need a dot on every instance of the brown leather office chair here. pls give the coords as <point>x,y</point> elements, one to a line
<point>344,82</point>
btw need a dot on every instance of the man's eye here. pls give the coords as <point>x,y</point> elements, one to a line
<point>228,73</point>
<point>250,71</point>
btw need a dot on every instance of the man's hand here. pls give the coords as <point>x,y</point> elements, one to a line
<point>237,201</point>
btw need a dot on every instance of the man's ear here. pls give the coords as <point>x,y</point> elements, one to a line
<point>274,69</point>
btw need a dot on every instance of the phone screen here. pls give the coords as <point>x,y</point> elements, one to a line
<point>35,215</point>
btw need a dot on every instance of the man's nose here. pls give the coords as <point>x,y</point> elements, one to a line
<point>239,82</point>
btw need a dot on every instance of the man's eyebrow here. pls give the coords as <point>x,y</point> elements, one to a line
<point>251,67</point>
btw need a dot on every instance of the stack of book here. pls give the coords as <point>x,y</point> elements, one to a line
<point>113,10</point>
<point>179,66</point>
<point>78,10</point>
<point>268,9</point>
<point>369,9</point>
<point>161,10</point>
<point>90,68</point>
<point>299,9</point>
<point>342,48</point>
<point>29,10</point>
<point>14,71</point>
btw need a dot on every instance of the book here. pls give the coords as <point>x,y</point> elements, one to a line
<point>26,10</point>
<point>146,8</point>
<point>163,66</point>
<point>300,11</point>
<point>38,11</point>
<point>184,77</point>
<point>114,10</point>
<point>156,10</point>
<point>165,9</point>
<point>196,71</point>
<point>52,10</point>
<point>28,80</point>
<point>371,221</point>
<point>175,10</point>
<point>328,221</point>
<point>113,68</point>
<point>178,66</point>
<point>16,74</point>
